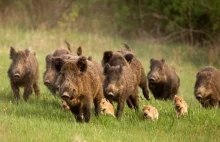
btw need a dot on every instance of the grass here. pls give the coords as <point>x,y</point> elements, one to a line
<point>42,119</point>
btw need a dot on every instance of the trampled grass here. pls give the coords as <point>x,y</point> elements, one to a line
<point>43,119</point>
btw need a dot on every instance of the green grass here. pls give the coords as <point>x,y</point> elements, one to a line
<point>42,119</point>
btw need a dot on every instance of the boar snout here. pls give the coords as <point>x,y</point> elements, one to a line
<point>110,94</point>
<point>65,96</point>
<point>198,97</point>
<point>47,83</point>
<point>17,76</point>
<point>152,79</point>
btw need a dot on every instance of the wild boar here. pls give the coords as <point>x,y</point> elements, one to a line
<point>163,81</point>
<point>115,59</point>
<point>120,85</point>
<point>207,87</point>
<point>80,85</point>
<point>23,72</point>
<point>50,75</point>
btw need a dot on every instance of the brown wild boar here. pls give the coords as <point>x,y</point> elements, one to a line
<point>162,80</point>
<point>207,87</point>
<point>80,85</point>
<point>23,72</point>
<point>180,106</point>
<point>116,59</point>
<point>150,112</point>
<point>107,108</point>
<point>120,85</point>
<point>50,75</point>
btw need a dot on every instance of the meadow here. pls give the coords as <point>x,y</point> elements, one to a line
<point>42,118</point>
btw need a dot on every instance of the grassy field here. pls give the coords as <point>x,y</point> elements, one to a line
<point>43,119</point>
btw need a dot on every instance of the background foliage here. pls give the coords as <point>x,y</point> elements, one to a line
<point>188,21</point>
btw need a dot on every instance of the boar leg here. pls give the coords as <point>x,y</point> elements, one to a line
<point>97,106</point>
<point>120,109</point>
<point>129,103</point>
<point>36,88</point>
<point>77,112</point>
<point>87,112</point>
<point>15,91</point>
<point>135,101</point>
<point>27,92</point>
<point>143,86</point>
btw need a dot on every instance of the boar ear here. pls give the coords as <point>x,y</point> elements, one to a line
<point>12,52</point>
<point>129,57</point>
<point>106,68</point>
<point>106,57</point>
<point>82,64</point>
<point>90,58</point>
<point>27,52</point>
<point>163,60</point>
<point>48,57</point>
<point>79,51</point>
<point>68,46</point>
<point>152,60</point>
<point>127,47</point>
<point>58,62</point>
<point>198,74</point>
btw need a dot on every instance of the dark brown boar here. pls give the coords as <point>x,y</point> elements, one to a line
<point>121,85</point>
<point>207,87</point>
<point>163,81</point>
<point>23,72</point>
<point>80,85</point>
<point>50,75</point>
<point>116,59</point>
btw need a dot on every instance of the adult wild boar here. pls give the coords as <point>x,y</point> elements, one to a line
<point>23,72</point>
<point>80,85</point>
<point>163,81</point>
<point>207,87</point>
<point>121,85</point>
<point>50,75</point>
<point>115,59</point>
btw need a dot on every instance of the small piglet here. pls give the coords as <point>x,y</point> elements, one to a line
<point>23,72</point>
<point>107,108</point>
<point>150,112</point>
<point>180,106</point>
